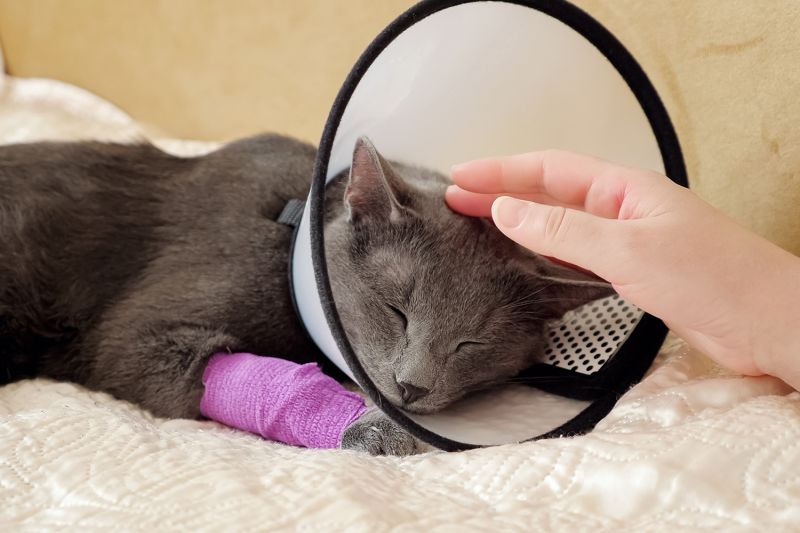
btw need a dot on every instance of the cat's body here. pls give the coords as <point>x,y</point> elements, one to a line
<point>124,269</point>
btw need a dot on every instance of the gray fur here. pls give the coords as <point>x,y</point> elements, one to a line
<point>124,269</point>
<point>377,434</point>
<point>456,279</point>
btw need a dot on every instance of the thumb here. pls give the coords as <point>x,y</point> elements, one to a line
<point>567,234</point>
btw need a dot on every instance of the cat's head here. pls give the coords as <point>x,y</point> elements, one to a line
<point>436,304</point>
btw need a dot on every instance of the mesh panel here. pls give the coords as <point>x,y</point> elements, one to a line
<point>587,337</point>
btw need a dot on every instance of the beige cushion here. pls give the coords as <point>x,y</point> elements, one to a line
<point>729,74</point>
<point>726,70</point>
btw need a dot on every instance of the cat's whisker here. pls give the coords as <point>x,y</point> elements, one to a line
<point>527,298</point>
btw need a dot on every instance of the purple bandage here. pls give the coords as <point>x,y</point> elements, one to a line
<point>278,399</point>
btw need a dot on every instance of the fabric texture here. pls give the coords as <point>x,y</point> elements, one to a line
<point>278,399</point>
<point>690,448</point>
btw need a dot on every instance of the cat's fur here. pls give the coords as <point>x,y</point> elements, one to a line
<point>123,268</point>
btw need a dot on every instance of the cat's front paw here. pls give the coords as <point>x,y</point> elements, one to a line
<point>377,434</point>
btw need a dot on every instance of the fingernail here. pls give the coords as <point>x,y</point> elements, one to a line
<point>509,212</point>
<point>457,168</point>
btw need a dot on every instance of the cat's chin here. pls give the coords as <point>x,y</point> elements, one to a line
<point>424,407</point>
<point>419,409</point>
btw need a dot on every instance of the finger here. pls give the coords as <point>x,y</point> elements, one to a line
<point>569,235</point>
<point>527,173</point>
<point>555,177</point>
<point>476,204</point>
<point>469,203</point>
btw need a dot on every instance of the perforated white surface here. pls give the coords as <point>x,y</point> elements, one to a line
<point>586,338</point>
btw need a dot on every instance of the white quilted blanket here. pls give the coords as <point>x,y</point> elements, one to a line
<point>690,448</point>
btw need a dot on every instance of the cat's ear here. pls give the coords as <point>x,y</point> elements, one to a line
<point>560,289</point>
<point>374,188</point>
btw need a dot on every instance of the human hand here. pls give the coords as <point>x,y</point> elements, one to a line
<point>725,290</point>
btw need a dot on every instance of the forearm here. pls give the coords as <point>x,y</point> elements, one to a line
<point>278,399</point>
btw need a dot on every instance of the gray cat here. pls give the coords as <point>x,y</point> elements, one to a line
<point>124,269</point>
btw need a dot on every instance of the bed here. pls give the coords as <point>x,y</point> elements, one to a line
<point>691,447</point>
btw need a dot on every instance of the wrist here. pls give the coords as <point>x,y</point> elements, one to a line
<point>776,329</point>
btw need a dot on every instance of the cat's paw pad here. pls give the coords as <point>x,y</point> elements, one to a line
<point>377,434</point>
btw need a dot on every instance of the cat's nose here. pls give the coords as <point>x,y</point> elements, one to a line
<point>410,392</point>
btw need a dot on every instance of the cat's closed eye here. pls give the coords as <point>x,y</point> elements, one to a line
<point>467,344</point>
<point>399,314</point>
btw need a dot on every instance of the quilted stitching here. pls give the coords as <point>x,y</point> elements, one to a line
<point>690,447</point>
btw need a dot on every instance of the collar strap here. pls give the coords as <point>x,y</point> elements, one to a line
<point>292,213</point>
